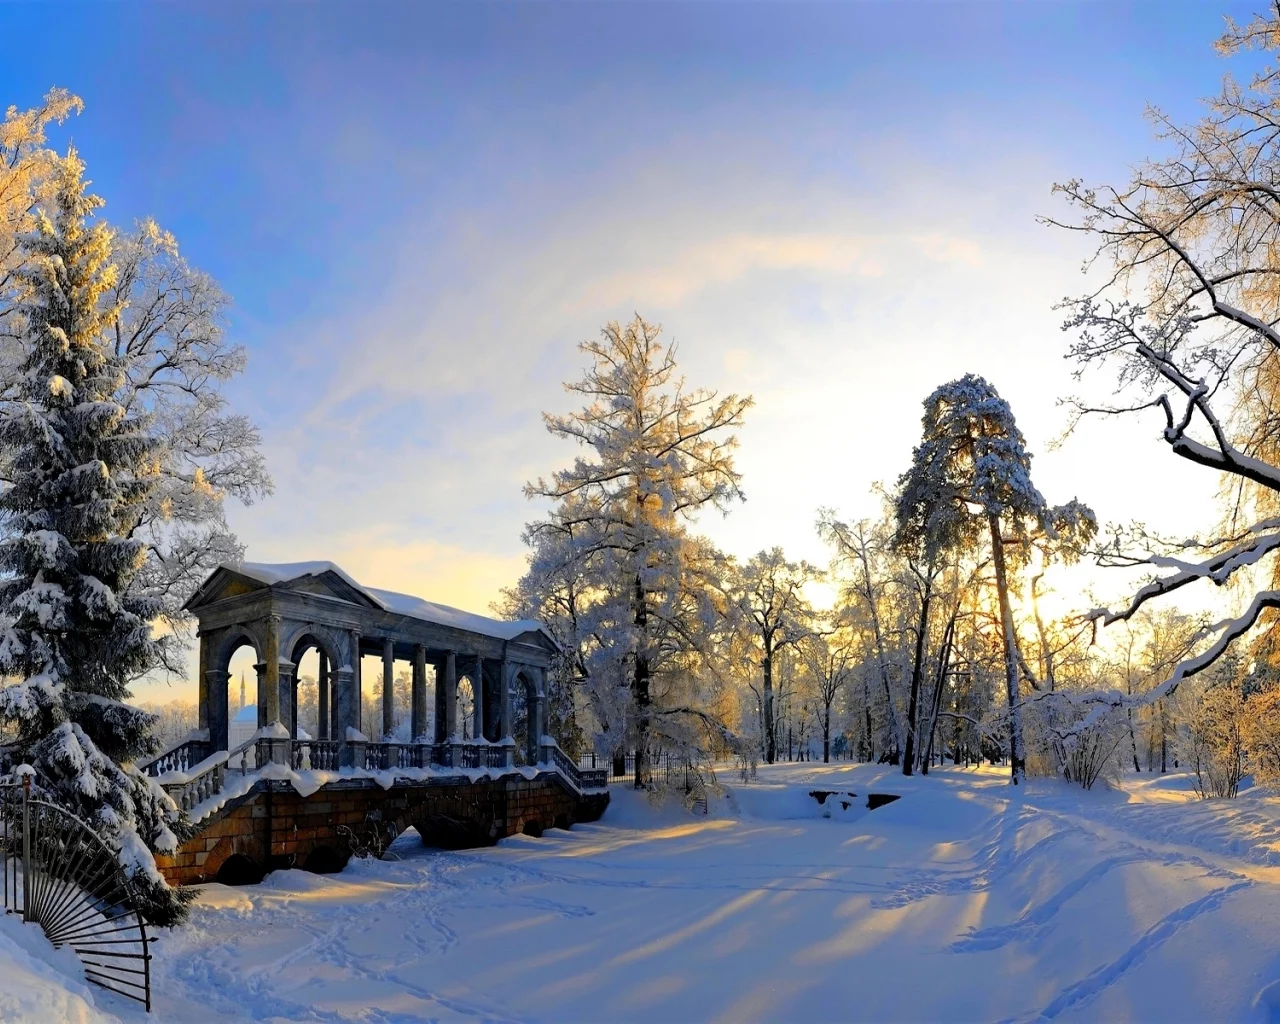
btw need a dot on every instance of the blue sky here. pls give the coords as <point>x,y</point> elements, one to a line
<point>421,209</point>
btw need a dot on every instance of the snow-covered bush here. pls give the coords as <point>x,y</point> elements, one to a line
<point>1261,733</point>
<point>1214,741</point>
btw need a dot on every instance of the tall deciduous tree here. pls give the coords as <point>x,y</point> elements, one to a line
<point>81,470</point>
<point>655,454</point>
<point>1187,319</point>
<point>769,596</point>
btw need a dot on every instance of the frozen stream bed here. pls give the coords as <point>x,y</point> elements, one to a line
<point>964,900</point>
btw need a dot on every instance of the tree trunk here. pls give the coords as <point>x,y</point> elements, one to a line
<point>866,707</point>
<point>917,670</point>
<point>1164,740</point>
<point>1017,756</point>
<point>640,689</point>
<point>770,736</point>
<point>944,658</point>
<point>826,735</point>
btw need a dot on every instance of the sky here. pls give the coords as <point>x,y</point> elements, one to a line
<point>421,209</point>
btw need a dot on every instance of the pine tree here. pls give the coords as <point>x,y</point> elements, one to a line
<point>971,474</point>
<point>80,473</point>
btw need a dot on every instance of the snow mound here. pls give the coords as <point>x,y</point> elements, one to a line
<point>38,983</point>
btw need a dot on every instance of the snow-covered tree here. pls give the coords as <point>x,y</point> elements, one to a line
<point>970,480</point>
<point>81,469</point>
<point>862,551</point>
<point>829,657</point>
<point>768,595</point>
<point>168,340</point>
<point>26,175</point>
<point>1186,318</point>
<point>643,594</point>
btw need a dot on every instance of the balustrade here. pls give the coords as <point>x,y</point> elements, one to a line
<point>208,776</point>
<point>315,755</point>
<point>183,757</point>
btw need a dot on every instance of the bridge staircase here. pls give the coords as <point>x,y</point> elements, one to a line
<point>275,801</point>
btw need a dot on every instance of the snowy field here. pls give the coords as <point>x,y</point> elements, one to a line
<point>964,900</point>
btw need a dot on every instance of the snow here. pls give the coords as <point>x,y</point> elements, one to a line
<point>442,614</point>
<point>390,600</point>
<point>40,984</point>
<point>964,900</point>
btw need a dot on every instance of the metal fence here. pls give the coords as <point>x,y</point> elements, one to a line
<point>59,874</point>
<point>665,768</point>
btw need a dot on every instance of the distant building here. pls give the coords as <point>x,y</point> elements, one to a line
<point>243,726</point>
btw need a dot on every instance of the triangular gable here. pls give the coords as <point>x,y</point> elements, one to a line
<point>537,638</point>
<point>330,584</point>
<point>226,582</point>
<point>222,584</point>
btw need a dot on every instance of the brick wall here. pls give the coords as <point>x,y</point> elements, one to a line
<point>274,827</point>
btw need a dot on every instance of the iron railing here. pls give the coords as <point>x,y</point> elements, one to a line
<point>60,874</point>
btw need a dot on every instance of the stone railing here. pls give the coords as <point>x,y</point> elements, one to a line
<point>197,781</point>
<point>582,780</point>
<point>203,780</point>
<point>180,758</point>
<point>315,755</point>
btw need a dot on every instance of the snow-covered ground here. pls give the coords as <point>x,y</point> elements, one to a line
<point>964,900</point>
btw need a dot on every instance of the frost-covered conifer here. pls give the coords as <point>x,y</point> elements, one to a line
<point>80,471</point>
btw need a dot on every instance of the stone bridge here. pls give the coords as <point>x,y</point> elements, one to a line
<point>286,799</point>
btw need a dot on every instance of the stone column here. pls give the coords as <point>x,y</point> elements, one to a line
<point>215,687</point>
<point>323,726</point>
<point>203,682</point>
<point>451,706</point>
<point>353,708</point>
<point>388,688</point>
<point>477,699</point>
<point>538,718</point>
<point>504,711</point>
<point>450,688</point>
<point>282,746</point>
<point>437,672</point>
<point>260,670</point>
<point>418,725</point>
<point>271,658</point>
<point>342,713</point>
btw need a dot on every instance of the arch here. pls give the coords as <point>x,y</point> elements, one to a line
<point>298,640</point>
<point>217,649</point>
<point>231,639</point>
<point>304,635</point>
<point>526,700</point>
<point>325,860</point>
<point>239,869</point>
<point>465,704</point>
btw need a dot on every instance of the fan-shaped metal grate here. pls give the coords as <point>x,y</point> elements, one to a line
<point>60,874</point>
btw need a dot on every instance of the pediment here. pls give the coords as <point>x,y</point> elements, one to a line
<point>226,583</point>
<point>536,638</point>
<point>328,584</point>
<point>221,585</point>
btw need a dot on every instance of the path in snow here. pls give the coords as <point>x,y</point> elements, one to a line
<point>964,900</point>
